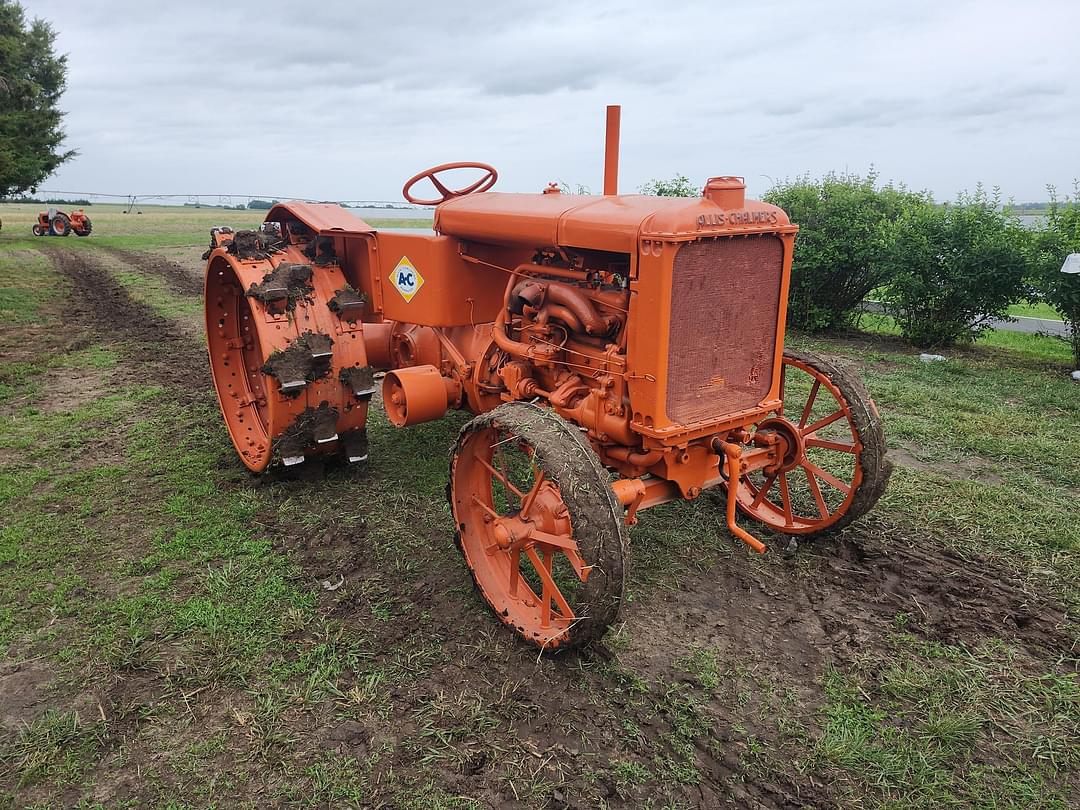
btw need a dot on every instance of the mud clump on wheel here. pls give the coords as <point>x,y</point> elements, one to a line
<point>312,426</point>
<point>305,360</point>
<point>348,304</point>
<point>321,251</point>
<point>355,445</point>
<point>260,244</point>
<point>287,284</point>
<point>358,379</point>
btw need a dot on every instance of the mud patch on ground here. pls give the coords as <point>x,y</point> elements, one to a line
<point>184,280</point>
<point>65,389</point>
<point>965,469</point>
<point>97,305</point>
<point>838,599</point>
<point>28,688</point>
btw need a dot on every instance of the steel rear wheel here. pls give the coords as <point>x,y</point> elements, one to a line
<point>538,524</point>
<point>836,468</point>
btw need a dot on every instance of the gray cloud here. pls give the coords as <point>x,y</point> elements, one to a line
<point>345,100</point>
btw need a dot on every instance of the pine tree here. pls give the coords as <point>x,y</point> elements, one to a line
<point>32,79</point>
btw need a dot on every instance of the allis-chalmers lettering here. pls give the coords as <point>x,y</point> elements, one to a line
<point>721,218</point>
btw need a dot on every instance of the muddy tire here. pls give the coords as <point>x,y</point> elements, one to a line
<point>845,471</point>
<point>38,230</point>
<point>86,229</point>
<point>527,493</point>
<point>60,225</point>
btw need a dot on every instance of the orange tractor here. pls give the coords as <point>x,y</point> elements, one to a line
<point>620,352</point>
<point>57,223</point>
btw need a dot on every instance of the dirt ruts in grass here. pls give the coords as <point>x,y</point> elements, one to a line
<point>99,307</point>
<point>178,277</point>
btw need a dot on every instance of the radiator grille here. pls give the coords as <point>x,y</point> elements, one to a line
<point>725,300</point>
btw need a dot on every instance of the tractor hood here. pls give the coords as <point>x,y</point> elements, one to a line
<point>611,223</point>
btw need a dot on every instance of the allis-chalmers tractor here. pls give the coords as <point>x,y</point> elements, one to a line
<point>57,223</point>
<point>619,352</point>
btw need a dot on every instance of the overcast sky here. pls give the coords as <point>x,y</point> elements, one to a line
<point>345,100</point>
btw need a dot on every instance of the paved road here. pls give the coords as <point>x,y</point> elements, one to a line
<point>1032,326</point>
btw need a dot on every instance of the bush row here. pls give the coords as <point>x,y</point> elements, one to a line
<point>943,271</point>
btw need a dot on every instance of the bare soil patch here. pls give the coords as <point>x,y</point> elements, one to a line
<point>184,280</point>
<point>97,304</point>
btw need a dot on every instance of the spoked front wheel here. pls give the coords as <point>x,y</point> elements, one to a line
<point>539,525</point>
<point>834,467</point>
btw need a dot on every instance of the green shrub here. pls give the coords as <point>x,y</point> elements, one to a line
<point>677,186</point>
<point>1060,237</point>
<point>953,268</point>
<point>838,250</point>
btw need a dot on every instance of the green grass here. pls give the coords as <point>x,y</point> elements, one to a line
<point>143,567</point>
<point>1035,310</point>
<point>917,728</point>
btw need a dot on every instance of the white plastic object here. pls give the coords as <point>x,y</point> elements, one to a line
<point>931,358</point>
<point>1072,263</point>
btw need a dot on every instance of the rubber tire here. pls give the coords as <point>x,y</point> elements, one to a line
<point>86,230</point>
<point>38,230</point>
<point>595,514</point>
<point>876,467</point>
<point>64,222</point>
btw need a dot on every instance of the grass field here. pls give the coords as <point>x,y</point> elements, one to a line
<point>166,639</point>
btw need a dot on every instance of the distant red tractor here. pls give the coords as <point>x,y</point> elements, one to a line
<point>57,223</point>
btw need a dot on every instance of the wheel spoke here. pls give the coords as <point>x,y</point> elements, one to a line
<point>785,497</point>
<point>766,485</point>
<point>528,500</point>
<point>809,404</point>
<point>558,541</point>
<point>551,590</point>
<point>500,475</point>
<point>485,507</point>
<point>839,447</point>
<point>515,571</point>
<point>827,477</point>
<point>819,424</point>
<point>811,481</point>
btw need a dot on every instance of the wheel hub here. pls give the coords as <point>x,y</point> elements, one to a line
<point>788,440</point>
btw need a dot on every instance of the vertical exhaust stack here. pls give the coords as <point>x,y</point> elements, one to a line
<point>611,151</point>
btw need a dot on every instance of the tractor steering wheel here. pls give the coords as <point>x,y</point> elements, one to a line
<point>481,185</point>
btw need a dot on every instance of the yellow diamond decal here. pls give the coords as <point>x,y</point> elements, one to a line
<point>406,279</point>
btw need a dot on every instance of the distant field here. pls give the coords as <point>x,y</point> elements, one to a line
<point>157,226</point>
<point>166,639</point>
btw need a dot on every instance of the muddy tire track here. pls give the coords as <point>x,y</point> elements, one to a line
<point>99,307</point>
<point>842,601</point>
<point>178,277</point>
